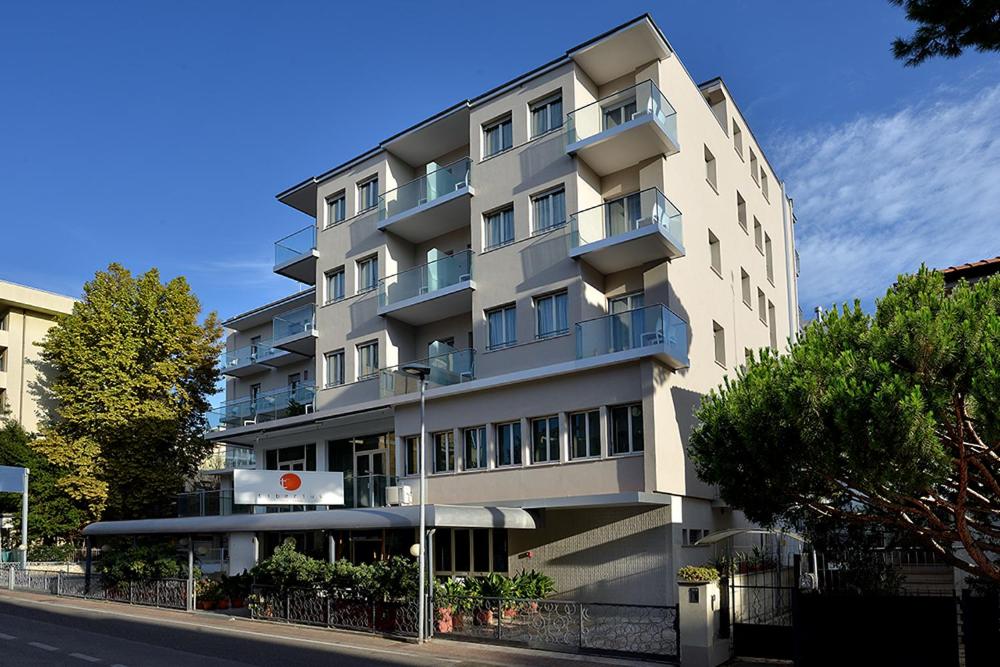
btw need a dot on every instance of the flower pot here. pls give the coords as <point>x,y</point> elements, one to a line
<point>236,603</point>
<point>206,604</point>
<point>483,617</point>
<point>222,604</point>
<point>510,612</point>
<point>533,607</point>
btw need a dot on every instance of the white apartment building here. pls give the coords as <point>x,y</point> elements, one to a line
<point>579,255</point>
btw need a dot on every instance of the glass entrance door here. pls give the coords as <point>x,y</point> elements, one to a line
<point>369,478</point>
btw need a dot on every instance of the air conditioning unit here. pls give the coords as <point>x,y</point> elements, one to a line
<point>398,495</point>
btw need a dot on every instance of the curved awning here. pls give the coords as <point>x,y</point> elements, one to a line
<point>720,535</point>
<point>438,516</point>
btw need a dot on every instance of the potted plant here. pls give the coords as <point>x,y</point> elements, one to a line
<point>533,586</point>
<point>493,586</point>
<point>697,574</point>
<point>451,597</point>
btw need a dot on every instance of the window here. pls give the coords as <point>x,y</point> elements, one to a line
<point>715,251</point>
<point>741,210</point>
<point>545,439</point>
<point>336,209</point>
<point>334,368</point>
<point>497,137</point>
<point>475,448</point>
<point>367,274</point>
<point>509,444</point>
<point>444,451</point>
<point>719,336</point>
<point>585,434</point>
<point>546,115</point>
<point>550,315</point>
<point>747,355</point>
<point>737,139</point>
<point>763,183</point>
<point>710,173</point>
<point>768,260</point>
<point>772,326</point>
<point>753,167</point>
<point>499,228</point>
<point>502,325</point>
<point>619,113</point>
<point>548,210</point>
<point>626,429</point>
<point>761,305</point>
<point>368,194</point>
<point>690,536</point>
<point>470,552</point>
<point>368,360</point>
<point>412,462</point>
<point>745,284</point>
<point>335,285</point>
<point>758,234</point>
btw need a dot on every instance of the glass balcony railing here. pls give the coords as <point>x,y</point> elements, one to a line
<point>209,503</point>
<point>269,406</point>
<point>633,329</point>
<point>294,322</point>
<point>643,99</point>
<point>366,490</point>
<point>293,246</point>
<point>425,189</point>
<point>450,367</point>
<point>250,354</point>
<point>240,457</point>
<point>426,278</point>
<point>641,209</point>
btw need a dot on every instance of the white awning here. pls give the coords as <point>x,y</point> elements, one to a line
<point>719,536</point>
<point>438,516</point>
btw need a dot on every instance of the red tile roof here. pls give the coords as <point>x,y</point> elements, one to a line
<point>983,267</point>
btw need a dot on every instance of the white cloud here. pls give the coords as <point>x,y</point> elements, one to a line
<point>879,195</point>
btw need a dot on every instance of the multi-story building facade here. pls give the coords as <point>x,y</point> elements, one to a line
<point>26,315</point>
<point>579,255</point>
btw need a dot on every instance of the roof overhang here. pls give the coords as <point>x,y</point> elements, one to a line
<point>621,51</point>
<point>264,314</point>
<point>438,516</point>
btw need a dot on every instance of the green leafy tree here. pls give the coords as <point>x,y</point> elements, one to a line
<point>131,369</point>
<point>889,420</point>
<point>947,28</point>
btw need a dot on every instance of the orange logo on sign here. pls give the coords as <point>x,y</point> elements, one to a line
<point>290,481</point>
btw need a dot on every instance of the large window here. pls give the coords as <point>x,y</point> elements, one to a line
<point>585,434</point>
<point>336,209</point>
<point>470,551</point>
<point>546,115</point>
<point>502,324</point>
<point>626,429</point>
<point>368,194</point>
<point>334,368</point>
<point>548,210</point>
<point>444,451</point>
<point>335,285</point>
<point>550,315</point>
<point>509,444</point>
<point>497,136</point>
<point>545,439</point>
<point>367,274</point>
<point>475,448</point>
<point>499,228</point>
<point>368,360</point>
<point>412,462</point>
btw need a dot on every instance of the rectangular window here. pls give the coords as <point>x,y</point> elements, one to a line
<point>585,434</point>
<point>754,174</point>
<point>548,210</point>
<point>546,115</point>
<point>710,171</point>
<point>368,360</point>
<point>761,306</point>
<point>772,326</point>
<point>497,137</point>
<point>720,343</point>
<point>545,439</point>
<point>336,209</point>
<point>412,463</point>
<point>368,194</point>
<point>626,429</point>
<point>509,444</point>
<point>741,210</point>
<point>763,183</point>
<point>758,234</point>
<point>444,451</point>
<point>769,260</point>
<point>475,448</point>
<point>335,285</point>
<point>499,228</point>
<point>334,368</point>
<point>618,113</point>
<point>367,274</point>
<point>715,251</point>
<point>745,284</point>
<point>550,315</point>
<point>502,325</point>
<point>737,139</point>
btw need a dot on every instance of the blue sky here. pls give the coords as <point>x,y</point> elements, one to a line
<point>158,133</point>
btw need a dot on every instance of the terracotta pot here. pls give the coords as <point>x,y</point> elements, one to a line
<point>236,603</point>
<point>206,604</point>
<point>533,606</point>
<point>484,617</point>
<point>222,604</point>
<point>509,613</point>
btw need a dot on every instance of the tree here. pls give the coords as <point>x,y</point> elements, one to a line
<point>131,370</point>
<point>947,28</point>
<point>889,420</point>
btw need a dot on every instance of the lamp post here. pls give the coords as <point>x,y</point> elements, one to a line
<point>421,371</point>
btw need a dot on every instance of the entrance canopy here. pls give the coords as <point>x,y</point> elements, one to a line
<point>438,516</point>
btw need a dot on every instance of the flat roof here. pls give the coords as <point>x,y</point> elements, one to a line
<point>264,312</point>
<point>34,299</point>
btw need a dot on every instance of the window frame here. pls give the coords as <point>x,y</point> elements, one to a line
<point>450,458</point>
<point>737,139</point>
<point>411,448</point>
<point>362,273</point>
<point>546,103</point>
<point>548,195</point>
<point>746,288</point>
<point>331,213</point>
<point>507,311</point>
<point>364,188</point>
<point>327,358</point>
<point>711,170</point>
<point>516,457</point>
<point>498,214</point>
<point>554,297</point>
<point>548,419</point>
<point>498,123</point>
<point>632,449</point>
<point>719,342</point>
<point>481,448</point>
<point>588,434</point>
<point>715,253</point>
<point>361,347</point>
<point>328,277</point>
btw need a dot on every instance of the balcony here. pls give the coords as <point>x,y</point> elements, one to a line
<point>627,232</point>
<point>429,206</point>
<point>295,256</point>
<point>429,292</point>
<point>451,367</point>
<point>623,129</point>
<point>295,331</point>
<point>268,406</point>
<point>651,331</point>
<point>255,358</point>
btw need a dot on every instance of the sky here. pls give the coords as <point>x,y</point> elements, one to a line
<point>156,134</point>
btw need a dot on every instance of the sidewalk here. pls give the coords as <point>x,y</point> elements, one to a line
<point>438,651</point>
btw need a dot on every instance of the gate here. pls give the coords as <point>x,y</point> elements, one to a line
<point>760,607</point>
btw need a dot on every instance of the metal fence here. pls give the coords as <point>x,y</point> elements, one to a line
<point>318,607</point>
<point>167,593</point>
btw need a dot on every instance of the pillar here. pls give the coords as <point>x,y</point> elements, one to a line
<point>698,605</point>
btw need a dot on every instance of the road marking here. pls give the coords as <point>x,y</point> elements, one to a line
<point>84,656</point>
<point>44,647</point>
<point>3,636</point>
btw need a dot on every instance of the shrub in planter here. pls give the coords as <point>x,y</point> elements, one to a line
<point>698,574</point>
<point>532,585</point>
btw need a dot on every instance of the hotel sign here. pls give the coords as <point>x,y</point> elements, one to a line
<point>282,487</point>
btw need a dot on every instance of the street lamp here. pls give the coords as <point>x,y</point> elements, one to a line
<point>421,371</point>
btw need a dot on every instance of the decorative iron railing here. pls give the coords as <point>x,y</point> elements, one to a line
<point>319,607</point>
<point>168,593</point>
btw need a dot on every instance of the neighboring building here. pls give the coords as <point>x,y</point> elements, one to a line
<point>26,314</point>
<point>579,255</point>
<point>972,271</point>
